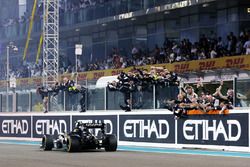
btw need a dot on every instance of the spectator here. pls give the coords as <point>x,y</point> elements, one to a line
<point>135,52</point>
<point>169,52</point>
<point>213,53</point>
<point>247,46</point>
<point>239,46</point>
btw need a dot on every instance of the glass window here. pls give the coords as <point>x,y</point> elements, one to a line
<point>143,98</point>
<point>242,93</point>
<point>56,103</point>
<point>36,102</point>
<point>4,103</point>
<point>22,102</point>
<point>114,100</point>
<point>95,99</point>
<point>165,93</point>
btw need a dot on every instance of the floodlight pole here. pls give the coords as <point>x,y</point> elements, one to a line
<point>8,47</point>
<point>76,69</point>
<point>7,78</point>
<point>78,52</point>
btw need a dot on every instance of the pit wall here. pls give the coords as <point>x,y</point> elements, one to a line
<point>156,128</point>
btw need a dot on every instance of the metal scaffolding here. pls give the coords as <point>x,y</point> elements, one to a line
<point>50,41</point>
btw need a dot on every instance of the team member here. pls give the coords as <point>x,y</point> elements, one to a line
<point>82,90</point>
<point>226,102</point>
<point>139,81</point>
<point>71,88</point>
<point>181,105</point>
<point>44,92</point>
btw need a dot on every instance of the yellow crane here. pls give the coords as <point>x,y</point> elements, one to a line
<point>30,30</point>
<point>29,34</point>
<point>39,48</point>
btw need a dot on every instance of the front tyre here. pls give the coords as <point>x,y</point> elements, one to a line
<point>47,143</point>
<point>73,144</point>
<point>110,143</point>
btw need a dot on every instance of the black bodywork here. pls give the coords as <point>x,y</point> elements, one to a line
<point>81,138</point>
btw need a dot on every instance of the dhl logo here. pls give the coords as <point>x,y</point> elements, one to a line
<point>181,67</point>
<point>206,65</point>
<point>234,62</point>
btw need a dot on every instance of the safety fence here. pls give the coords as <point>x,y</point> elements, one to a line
<point>95,99</point>
<point>154,97</point>
<point>23,97</point>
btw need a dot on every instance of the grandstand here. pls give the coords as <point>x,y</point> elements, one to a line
<point>206,39</point>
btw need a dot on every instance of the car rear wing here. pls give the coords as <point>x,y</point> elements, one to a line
<point>94,125</point>
<point>90,125</point>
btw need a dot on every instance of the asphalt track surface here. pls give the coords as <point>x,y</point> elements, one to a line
<point>32,156</point>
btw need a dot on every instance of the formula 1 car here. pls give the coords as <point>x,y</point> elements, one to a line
<point>81,139</point>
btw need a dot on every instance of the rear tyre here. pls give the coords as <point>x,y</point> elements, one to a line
<point>73,144</point>
<point>110,143</point>
<point>47,143</point>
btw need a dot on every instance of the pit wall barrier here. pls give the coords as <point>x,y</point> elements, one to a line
<point>140,128</point>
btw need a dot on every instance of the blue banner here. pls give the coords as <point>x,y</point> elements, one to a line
<point>147,128</point>
<point>227,130</point>
<point>50,125</point>
<point>15,126</point>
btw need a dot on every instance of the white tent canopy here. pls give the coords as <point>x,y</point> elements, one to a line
<point>103,81</point>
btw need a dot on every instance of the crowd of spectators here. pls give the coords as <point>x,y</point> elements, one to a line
<point>169,52</point>
<point>199,98</point>
<point>26,70</point>
<point>173,51</point>
<point>189,98</point>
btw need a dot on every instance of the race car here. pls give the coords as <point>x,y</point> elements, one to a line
<point>81,138</point>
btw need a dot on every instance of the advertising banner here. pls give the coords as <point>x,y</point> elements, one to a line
<point>15,126</point>
<point>147,128</point>
<point>240,62</point>
<point>52,125</point>
<point>207,130</point>
<point>228,130</point>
